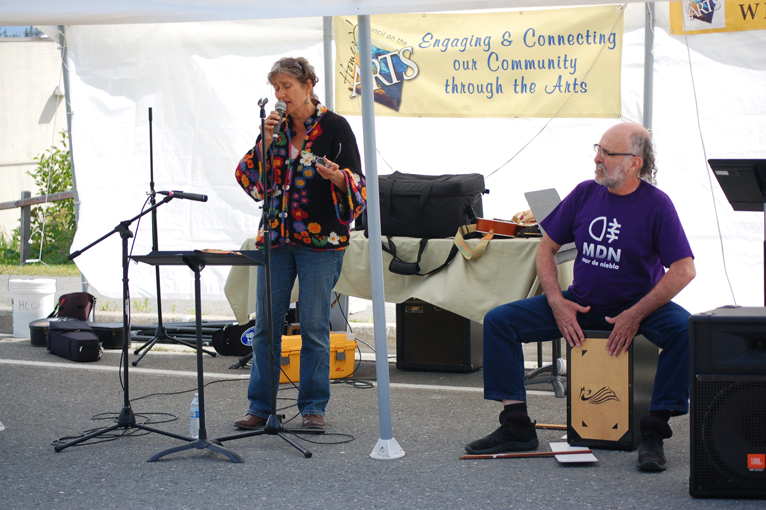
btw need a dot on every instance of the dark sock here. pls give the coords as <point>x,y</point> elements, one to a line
<point>663,415</point>
<point>515,414</point>
<point>652,424</point>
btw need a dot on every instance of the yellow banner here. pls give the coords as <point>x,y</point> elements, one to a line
<point>512,64</point>
<point>704,16</point>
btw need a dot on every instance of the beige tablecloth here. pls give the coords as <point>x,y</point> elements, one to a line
<point>468,288</point>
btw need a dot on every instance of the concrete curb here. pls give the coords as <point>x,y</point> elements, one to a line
<point>364,331</point>
<point>6,318</point>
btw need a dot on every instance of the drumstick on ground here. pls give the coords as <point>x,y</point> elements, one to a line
<point>521,455</point>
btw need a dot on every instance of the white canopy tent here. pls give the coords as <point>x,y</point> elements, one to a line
<point>201,66</point>
<point>95,12</point>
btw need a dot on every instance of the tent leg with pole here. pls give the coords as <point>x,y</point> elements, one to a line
<point>386,448</point>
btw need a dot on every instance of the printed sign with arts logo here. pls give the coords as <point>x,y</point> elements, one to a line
<point>563,62</point>
<point>703,16</point>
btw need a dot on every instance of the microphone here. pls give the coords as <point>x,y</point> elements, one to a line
<point>181,194</point>
<point>281,107</point>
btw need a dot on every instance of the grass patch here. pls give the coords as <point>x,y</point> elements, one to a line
<point>37,269</point>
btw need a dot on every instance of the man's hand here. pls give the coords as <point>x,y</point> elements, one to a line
<point>626,324</point>
<point>565,312</point>
<point>625,328</point>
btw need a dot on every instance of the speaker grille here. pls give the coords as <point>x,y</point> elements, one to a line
<point>729,423</point>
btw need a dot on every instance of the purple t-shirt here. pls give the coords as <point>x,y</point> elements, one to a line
<point>622,242</point>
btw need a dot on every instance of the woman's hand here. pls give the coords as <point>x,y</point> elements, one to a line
<point>332,172</point>
<point>270,123</point>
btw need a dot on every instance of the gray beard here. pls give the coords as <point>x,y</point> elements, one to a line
<point>610,182</point>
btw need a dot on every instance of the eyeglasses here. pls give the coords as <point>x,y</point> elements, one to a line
<point>605,153</point>
<point>288,63</point>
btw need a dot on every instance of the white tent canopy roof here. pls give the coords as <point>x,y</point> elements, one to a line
<point>98,12</point>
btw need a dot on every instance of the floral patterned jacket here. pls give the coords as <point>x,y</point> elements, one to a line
<point>305,208</point>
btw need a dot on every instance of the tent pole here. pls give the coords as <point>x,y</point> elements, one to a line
<point>649,66</point>
<point>386,447</point>
<point>67,100</point>
<point>329,90</point>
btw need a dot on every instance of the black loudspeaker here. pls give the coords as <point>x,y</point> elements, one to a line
<point>432,339</point>
<point>728,403</point>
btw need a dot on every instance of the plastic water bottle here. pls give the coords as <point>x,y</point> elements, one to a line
<point>194,417</point>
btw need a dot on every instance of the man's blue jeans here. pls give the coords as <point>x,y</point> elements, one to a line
<point>531,320</point>
<point>317,272</point>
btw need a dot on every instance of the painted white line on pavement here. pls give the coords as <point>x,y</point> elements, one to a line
<point>102,368</point>
<point>185,373</point>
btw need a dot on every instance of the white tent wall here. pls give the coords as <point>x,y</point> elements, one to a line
<point>203,79</point>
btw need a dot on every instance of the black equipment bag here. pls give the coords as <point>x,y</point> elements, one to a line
<point>429,206</point>
<point>229,342</point>
<point>73,339</point>
<point>76,305</point>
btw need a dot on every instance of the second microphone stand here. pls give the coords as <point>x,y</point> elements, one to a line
<point>273,423</point>
<point>160,334</point>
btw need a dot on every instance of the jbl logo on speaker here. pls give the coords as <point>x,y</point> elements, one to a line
<point>756,461</point>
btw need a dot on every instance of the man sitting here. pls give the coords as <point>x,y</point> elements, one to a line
<point>626,231</point>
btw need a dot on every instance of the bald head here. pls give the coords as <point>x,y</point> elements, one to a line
<point>635,139</point>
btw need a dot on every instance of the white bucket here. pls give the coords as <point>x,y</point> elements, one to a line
<point>31,299</point>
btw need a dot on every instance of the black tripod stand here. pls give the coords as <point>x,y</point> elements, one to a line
<point>273,422</point>
<point>160,334</point>
<point>126,419</point>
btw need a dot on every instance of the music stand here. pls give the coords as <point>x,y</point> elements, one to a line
<point>197,260</point>
<point>744,183</point>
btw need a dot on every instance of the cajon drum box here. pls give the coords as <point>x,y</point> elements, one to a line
<point>608,395</point>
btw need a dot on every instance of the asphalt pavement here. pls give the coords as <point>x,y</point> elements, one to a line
<point>45,398</point>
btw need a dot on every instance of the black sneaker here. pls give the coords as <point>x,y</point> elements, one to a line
<point>505,439</point>
<point>651,455</point>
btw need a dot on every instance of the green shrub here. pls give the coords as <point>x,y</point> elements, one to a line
<point>51,224</point>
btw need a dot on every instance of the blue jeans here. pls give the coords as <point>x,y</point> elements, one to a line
<point>507,326</point>
<point>317,272</point>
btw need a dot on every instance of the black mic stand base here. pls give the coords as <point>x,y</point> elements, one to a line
<point>126,420</point>
<point>274,427</point>
<point>161,334</point>
<point>199,444</point>
<point>243,361</point>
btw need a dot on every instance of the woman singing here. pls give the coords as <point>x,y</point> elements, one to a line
<point>312,202</point>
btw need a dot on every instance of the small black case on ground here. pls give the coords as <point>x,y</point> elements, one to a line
<point>73,339</point>
<point>110,334</point>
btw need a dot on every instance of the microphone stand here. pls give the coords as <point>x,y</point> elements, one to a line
<point>273,423</point>
<point>160,334</point>
<point>126,419</point>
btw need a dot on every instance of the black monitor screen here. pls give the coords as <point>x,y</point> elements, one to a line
<point>743,181</point>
